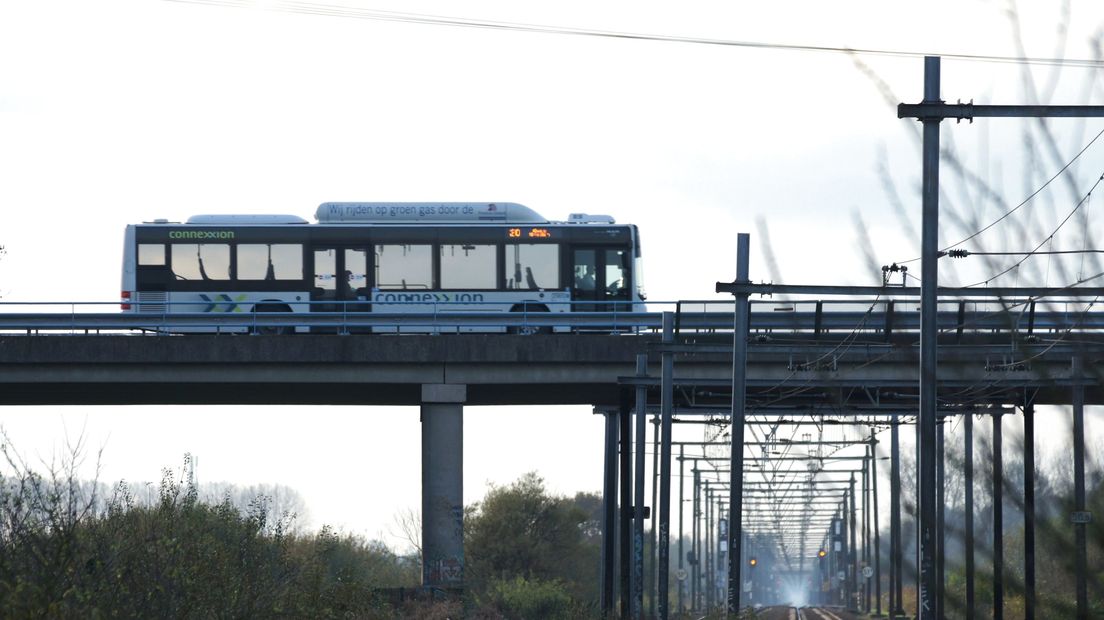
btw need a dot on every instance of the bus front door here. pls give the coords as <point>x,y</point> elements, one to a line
<point>601,279</point>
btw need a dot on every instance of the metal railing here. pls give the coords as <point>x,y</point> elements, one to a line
<point>882,318</point>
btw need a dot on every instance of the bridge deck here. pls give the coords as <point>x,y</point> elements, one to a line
<point>501,369</point>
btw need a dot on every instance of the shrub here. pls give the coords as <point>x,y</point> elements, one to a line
<point>531,599</point>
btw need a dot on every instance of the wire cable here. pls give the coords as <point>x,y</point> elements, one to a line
<point>1069,215</point>
<point>1034,252</point>
<point>1033,194</point>
<point>1022,203</point>
<point>331,10</point>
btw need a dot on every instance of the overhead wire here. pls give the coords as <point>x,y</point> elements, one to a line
<point>333,10</point>
<point>1022,203</point>
<point>1035,250</point>
<point>1032,195</point>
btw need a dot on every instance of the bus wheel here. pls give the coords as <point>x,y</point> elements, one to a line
<point>529,330</point>
<point>277,330</point>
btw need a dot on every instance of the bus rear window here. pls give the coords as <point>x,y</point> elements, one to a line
<point>204,261</point>
<point>152,254</point>
<point>270,261</point>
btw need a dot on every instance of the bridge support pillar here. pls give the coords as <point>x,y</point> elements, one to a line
<point>443,485</point>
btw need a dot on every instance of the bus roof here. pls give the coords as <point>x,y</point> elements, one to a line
<point>399,213</point>
<point>238,219</point>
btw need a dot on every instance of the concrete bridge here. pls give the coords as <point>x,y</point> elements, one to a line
<point>442,373</point>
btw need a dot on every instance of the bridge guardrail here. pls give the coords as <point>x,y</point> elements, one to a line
<point>880,317</point>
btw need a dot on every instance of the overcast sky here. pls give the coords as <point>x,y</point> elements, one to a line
<point>119,111</point>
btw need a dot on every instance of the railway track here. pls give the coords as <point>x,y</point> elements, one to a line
<point>783,612</point>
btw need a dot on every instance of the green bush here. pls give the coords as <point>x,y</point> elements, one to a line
<point>531,599</point>
<point>66,553</point>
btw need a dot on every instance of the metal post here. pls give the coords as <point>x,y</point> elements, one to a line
<point>752,582</point>
<point>637,606</point>
<point>929,252</point>
<point>896,606</point>
<point>626,529</point>
<point>695,543</point>
<point>667,375</point>
<point>968,463</point>
<point>736,464</point>
<point>866,530</point>
<point>652,519</point>
<point>681,535</point>
<point>940,518</point>
<point>708,548</point>
<point>877,527</point>
<point>852,556</point>
<point>1081,563</point>
<point>841,559</point>
<point>1029,508</point>
<point>609,513</point>
<point>998,520</point>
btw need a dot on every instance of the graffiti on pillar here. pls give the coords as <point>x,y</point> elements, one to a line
<point>445,572</point>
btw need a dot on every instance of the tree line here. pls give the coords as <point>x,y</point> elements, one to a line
<point>73,548</point>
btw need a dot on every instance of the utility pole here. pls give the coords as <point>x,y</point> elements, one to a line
<point>866,530</point>
<point>852,556</point>
<point>695,544</point>
<point>709,580</point>
<point>1081,564</point>
<point>736,426</point>
<point>1029,508</point>
<point>625,531</point>
<point>609,512</point>
<point>667,374</point>
<point>637,607</point>
<point>681,570</point>
<point>877,527</point>
<point>968,462</point>
<point>925,425</point>
<point>930,112</point>
<point>998,519</point>
<point>940,519</point>
<point>896,605</point>
<point>652,590</point>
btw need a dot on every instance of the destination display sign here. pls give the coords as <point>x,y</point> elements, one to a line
<point>529,233</point>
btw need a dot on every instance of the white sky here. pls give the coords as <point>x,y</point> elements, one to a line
<point>119,111</point>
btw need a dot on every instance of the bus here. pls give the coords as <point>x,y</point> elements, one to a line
<point>397,257</point>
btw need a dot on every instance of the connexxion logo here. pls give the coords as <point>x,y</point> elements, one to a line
<point>231,303</point>
<point>201,234</point>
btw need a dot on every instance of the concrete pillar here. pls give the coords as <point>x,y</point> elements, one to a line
<point>443,485</point>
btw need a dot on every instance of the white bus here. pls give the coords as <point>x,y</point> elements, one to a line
<point>410,257</point>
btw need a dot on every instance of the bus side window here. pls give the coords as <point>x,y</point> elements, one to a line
<point>404,266</point>
<point>532,266</point>
<point>467,266</point>
<point>270,261</point>
<point>204,261</point>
